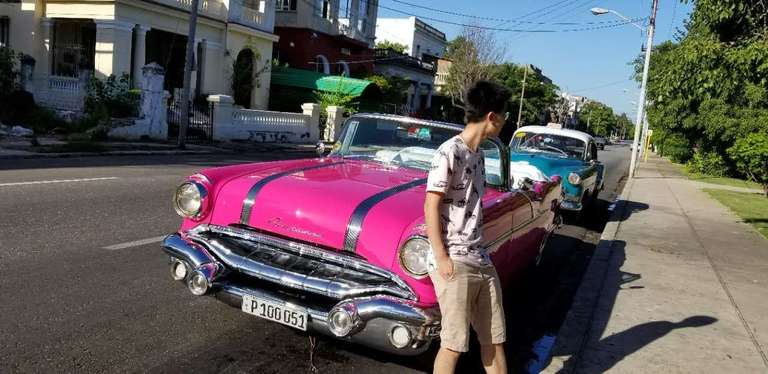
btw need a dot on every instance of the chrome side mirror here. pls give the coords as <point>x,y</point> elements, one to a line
<point>526,184</point>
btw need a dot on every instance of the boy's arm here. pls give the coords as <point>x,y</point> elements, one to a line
<point>434,233</point>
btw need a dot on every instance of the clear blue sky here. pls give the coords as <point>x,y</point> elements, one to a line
<point>579,62</point>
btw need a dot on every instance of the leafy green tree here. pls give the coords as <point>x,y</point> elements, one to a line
<point>751,156</point>
<point>393,88</point>
<point>397,47</point>
<point>539,95</point>
<point>710,87</point>
<point>597,118</point>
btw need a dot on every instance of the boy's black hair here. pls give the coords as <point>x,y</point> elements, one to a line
<point>484,97</point>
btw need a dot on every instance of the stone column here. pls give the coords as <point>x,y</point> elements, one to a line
<point>139,54</point>
<point>430,89</point>
<point>333,123</point>
<point>113,48</point>
<point>44,66</point>
<point>313,111</point>
<point>153,101</point>
<point>223,106</point>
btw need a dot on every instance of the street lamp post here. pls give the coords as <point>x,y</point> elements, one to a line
<point>643,86</point>
<point>522,95</point>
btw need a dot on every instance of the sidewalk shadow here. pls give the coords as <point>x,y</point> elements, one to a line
<point>596,216</point>
<point>620,345</point>
<point>607,352</point>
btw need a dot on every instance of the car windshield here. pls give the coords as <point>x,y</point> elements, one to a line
<point>392,141</point>
<point>558,145</point>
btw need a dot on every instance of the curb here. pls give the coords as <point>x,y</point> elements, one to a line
<point>574,332</point>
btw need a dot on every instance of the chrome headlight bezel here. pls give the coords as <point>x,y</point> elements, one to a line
<point>574,179</point>
<point>419,247</point>
<point>201,196</point>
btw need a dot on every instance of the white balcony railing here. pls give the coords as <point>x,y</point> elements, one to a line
<point>65,84</point>
<point>262,18</point>
<point>213,8</point>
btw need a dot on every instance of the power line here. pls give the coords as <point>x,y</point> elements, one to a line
<point>504,20</point>
<point>601,86</point>
<point>513,30</point>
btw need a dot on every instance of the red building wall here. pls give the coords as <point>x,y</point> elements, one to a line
<point>299,47</point>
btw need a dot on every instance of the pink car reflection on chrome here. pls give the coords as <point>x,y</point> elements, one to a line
<point>336,245</point>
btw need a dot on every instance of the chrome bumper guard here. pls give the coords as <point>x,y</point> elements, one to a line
<point>317,280</point>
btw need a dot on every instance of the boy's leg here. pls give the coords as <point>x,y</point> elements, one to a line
<point>488,321</point>
<point>494,358</point>
<point>445,361</point>
<point>454,297</point>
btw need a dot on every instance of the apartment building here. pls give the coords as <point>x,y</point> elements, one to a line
<point>425,47</point>
<point>72,40</point>
<point>327,36</point>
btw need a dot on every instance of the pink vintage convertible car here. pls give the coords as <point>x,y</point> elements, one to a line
<point>336,245</point>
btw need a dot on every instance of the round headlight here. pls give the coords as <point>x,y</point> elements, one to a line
<point>574,178</point>
<point>414,257</point>
<point>189,198</point>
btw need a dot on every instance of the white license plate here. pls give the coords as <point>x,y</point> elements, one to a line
<point>284,314</point>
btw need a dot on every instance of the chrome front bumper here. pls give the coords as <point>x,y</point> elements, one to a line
<point>377,309</point>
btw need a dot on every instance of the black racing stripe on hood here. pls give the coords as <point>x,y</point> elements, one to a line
<point>355,225</point>
<point>250,199</point>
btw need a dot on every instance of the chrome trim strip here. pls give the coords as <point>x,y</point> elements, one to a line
<point>410,120</point>
<point>305,250</point>
<point>355,225</point>
<point>245,214</point>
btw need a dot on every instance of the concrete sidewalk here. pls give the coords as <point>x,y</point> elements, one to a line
<point>677,285</point>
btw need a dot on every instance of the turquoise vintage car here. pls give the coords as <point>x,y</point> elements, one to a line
<point>570,154</point>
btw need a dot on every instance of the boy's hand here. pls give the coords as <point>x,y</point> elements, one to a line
<point>445,267</point>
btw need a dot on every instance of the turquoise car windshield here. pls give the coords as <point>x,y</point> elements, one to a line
<point>557,145</point>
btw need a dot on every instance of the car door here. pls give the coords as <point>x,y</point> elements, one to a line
<point>506,216</point>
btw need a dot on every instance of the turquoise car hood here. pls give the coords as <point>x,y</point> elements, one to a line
<point>549,164</point>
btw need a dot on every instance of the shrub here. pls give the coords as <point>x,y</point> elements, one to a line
<point>709,163</point>
<point>677,147</point>
<point>8,73</point>
<point>112,96</point>
<point>751,156</point>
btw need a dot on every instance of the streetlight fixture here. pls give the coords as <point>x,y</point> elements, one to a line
<point>639,123</point>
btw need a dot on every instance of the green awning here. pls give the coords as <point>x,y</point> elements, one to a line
<point>320,82</point>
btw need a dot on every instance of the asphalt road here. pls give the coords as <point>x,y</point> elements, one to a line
<point>84,286</point>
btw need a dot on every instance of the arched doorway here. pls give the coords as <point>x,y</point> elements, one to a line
<point>242,78</point>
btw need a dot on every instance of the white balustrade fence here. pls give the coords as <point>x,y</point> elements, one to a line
<point>231,123</point>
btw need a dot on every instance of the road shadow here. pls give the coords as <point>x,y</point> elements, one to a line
<point>595,216</point>
<point>593,308</point>
<point>201,160</point>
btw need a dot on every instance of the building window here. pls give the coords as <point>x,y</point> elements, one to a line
<point>286,5</point>
<point>4,31</point>
<point>323,9</point>
<point>321,65</point>
<point>74,47</point>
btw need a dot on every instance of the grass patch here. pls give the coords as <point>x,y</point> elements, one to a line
<point>751,207</point>
<point>724,181</point>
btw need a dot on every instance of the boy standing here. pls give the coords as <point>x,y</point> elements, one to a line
<point>465,280</point>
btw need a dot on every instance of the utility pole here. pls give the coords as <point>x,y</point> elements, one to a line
<point>643,87</point>
<point>187,74</point>
<point>589,118</point>
<point>522,95</point>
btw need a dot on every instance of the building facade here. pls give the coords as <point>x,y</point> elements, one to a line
<point>70,41</point>
<point>327,36</point>
<point>425,47</point>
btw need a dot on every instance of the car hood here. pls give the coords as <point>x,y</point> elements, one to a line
<point>329,202</point>
<point>549,164</point>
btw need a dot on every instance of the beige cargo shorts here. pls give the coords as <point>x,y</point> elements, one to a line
<point>471,297</point>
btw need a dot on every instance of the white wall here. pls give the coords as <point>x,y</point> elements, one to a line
<point>429,44</point>
<point>396,30</point>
